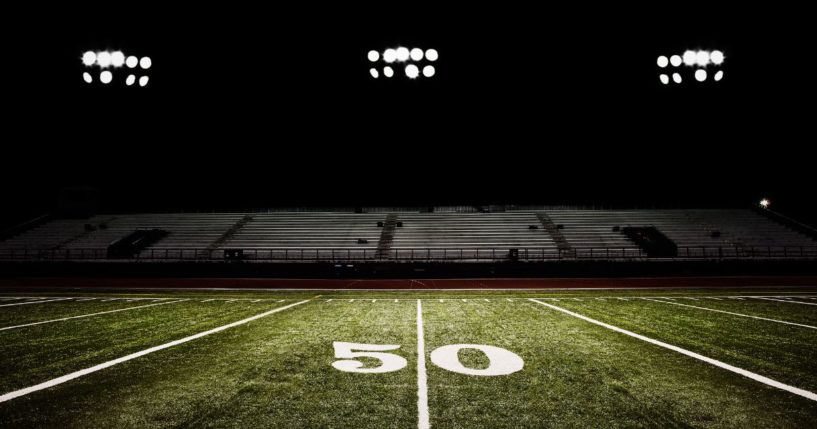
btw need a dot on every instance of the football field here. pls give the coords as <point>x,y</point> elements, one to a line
<point>721,358</point>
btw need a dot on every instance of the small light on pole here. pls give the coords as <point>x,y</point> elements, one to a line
<point>764,203</point>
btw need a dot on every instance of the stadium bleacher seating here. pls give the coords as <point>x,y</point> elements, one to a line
<point>449,233</point>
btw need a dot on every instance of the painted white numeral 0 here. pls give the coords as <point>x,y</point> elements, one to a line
<point>502,362</point>
<point>390,362</point>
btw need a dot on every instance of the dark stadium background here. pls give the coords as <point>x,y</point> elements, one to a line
<point>254,106</point>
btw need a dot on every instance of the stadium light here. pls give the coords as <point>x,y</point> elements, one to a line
<point>664,79</point>
<point>676,78</point>
<point>716,57</point>
<point>690,58</point>
<point>412,71</point>
<point>132,62</point>
<point>718,76</point>
<point>700,75</point>
<point>117,59</point>
<point>103,59</point>
<point>390,55</point>
<point>663,61</point>
<point>402,54</point>
<point>702,58</point>
<point>87,77</point>
<point>374,73</point>
<point>765,203</point>
<point>130,80</point>
<point>429,71</point>
<point>106,77</point>
<point>145,63</point>
<point>388,71</point>
<point>143,80</point>
<point>432,55</point>
<point>89,58</point>
<point>416,54</point>
<point>373,56</point>
<point>675,60</point>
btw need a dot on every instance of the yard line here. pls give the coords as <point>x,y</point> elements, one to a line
<point>757,377</point>
<point>59,380</point>
<point>422,377</point>
<point>34,302</point>
<point>735,314</point>
<point>486,300</point>
<point>509,300</point>
<point>790,302</point>
<point>89,315</point>
<point>330,299</point>
<point>255,300</point>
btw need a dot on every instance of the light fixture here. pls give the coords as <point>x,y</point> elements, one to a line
<point>429,71</point>
<point>374,73</point>
<point>718,76</point>
<point>675,60</point>
<point>432,55</point>
<point>103,59</point>
<point>143,80</point>
<point>388,71</point>
<point>132,62</point>
<point>690,58</point>
<point>106,77</point>
<point>716,57</point>
<point>373,56</point>
<point>402,54</point>
<point>89,58</point>
<point>700,75</point>
<point>416,54</point>
<point>145,63</point>
<point>663,61</point>
<point>117,59</point>
<point>130,80</point>
<point>87,77</point>
<point>389,56</point>
<point>765,203</point>
<point>676,77</point>
<point>412,71</point>
<point>664,79</point>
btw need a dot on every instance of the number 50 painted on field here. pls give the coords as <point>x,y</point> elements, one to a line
<point>502,362</point>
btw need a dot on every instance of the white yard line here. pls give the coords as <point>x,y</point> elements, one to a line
<point>734,314</point>
<point>34,302</point>
<point>757,377</point>
<point>422,377</point>
<point>88,315</point>
<point>59,380</point>
<point>790,302</point>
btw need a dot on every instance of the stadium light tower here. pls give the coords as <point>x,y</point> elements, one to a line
<point>416,62</point>
<point>705,64</point>
<point>764,203</point>
<point>109,61</point>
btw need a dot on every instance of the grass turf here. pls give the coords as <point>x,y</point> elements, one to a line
<point>277,371</point>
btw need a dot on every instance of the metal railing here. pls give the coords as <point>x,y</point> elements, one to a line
<point>414,254</point>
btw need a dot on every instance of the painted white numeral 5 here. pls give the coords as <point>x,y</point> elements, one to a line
<point>391,362</point>
<point>502,362</point>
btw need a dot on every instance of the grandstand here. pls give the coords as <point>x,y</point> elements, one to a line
<point>456,234</point>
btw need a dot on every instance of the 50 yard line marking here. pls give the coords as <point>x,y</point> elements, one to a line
<point>422,376</point>
<point>757,377</point>
<point>89,315</point>
<point>68,377</point>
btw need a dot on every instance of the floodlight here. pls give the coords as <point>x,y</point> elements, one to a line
<point>106,77</point>
<point>388,72</point>
<point>130,80</point>
<point>117,59</point>
<point>432,55</point>
<point>690,58</point>
<point>373,56</point>
<point>700,75</point>
<point>663,61</point>
<point>87,77</point>
<point>132,62</point>
<point>702,58</point>
<point>716,57</point>
<point>664,79</point>
<point>103,59</point>
<point>416,54</point>
<point>402,54</point>
<point>676,78</point>
<point>145,63</point>
<point>89,58</point>
<point>412,71</point>
<point>374,73</point>
<point>143,80</point>
<point>675,60</point>
<point>429,71</point>
<point>718,76</point>
<point>389,55</point>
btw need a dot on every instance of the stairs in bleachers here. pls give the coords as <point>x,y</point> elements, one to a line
<point>230,232</point>
<point>387,236</point>
<point>555,232</point>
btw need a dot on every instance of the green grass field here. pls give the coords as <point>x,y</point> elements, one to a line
<point>574,358</point>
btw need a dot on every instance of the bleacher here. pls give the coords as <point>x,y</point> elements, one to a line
<point>446,233</point>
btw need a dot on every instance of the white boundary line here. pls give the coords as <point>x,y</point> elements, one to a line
<point>34,302</point>
<point>59,380</point>
<point>783,300</point>
<point>89,315</point>
<point>757,377</point>
<point>422,376</point>
<point>735,314</point>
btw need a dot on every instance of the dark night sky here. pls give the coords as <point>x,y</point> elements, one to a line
<point>253,106</point>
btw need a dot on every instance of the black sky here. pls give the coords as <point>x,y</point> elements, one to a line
<point>268,105</point>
